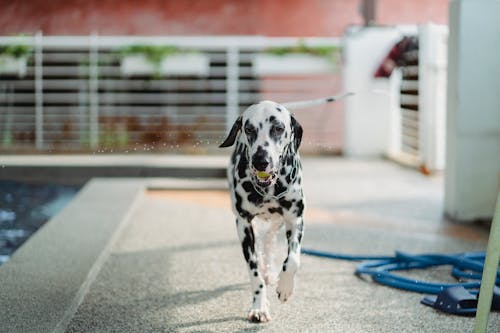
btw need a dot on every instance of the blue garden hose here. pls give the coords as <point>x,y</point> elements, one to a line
<point>467,266</point>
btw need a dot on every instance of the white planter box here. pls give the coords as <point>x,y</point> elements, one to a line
<point>291,64</point>
<point>178,64</point>
<point>13,66</point>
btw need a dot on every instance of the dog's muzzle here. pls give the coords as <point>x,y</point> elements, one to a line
<point>263,178</point>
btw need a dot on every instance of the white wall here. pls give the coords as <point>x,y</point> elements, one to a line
<point>367,115</point>
<point>432,73</point>
<point>472,178</point>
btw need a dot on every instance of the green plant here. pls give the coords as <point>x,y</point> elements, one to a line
<point>16,50</point>
<point>330,53</point>
<point>153,53</point>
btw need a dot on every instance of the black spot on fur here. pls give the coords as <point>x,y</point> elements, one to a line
<point>279,188</point>
<point>255,198</point>
<point>330,99</point>
<point>243,213</point>
<point>284,264</point>
<point>276,131</point>
<point>251,132</point>
<point>272,118</point>
<point>255,273</point>
<point>285,203</point>
<point>233,157</point>
<point>242,166</point>
<point>247,186</point>
<point>278,108</point>
<point>257,292</point>
<point>288,234</point>
<point>297,133</point>
<point>275,210</point>
<point>248,246</point>
<point>300,207</point>
<point>252,264</point>
<point>261,286</point>
<point>283,171</point>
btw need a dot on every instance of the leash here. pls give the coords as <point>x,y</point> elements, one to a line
<point>314,102</point>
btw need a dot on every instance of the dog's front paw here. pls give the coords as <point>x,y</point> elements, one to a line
<point>259,315</point>
<point>285,287</point>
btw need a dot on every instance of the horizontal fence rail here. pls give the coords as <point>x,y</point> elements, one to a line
<point>75,96</point>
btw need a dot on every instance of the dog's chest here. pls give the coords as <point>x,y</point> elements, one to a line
<point>269,206</point>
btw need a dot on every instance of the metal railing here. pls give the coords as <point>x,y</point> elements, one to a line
<point>74,96</point>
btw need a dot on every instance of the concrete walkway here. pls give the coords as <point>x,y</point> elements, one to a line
<point>156,255</point>
<point>177,266</point>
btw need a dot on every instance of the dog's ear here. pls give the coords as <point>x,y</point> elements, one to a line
<point>297,133</point>
<point>232,134</point>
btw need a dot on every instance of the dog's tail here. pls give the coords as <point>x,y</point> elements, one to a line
<point>314,102</point>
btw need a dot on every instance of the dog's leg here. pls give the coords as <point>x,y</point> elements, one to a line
<point>294,231</point>
<point>270,273</point>
<point>260,309</point>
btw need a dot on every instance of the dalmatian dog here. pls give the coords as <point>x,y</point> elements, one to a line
<point>265,182</point>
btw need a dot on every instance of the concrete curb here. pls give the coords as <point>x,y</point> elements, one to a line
<point>186,184</point>
<point>47,278</point>
<point>78,169</point>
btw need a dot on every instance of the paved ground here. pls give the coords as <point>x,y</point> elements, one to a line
<point>178,267</point>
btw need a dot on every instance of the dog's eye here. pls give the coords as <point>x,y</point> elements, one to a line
<point>249,130</point>
<point>278,130</point>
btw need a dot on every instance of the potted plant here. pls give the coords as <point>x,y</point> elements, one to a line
<point>296,60</point>
<point>14,59</point>
<point>162,60</point>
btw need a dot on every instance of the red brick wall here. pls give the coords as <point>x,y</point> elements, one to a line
<point>206,17</point>
<point>412,11</point>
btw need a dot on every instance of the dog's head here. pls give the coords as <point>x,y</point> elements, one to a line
<point>269,132</point>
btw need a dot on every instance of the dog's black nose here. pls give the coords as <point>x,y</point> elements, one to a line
<point>260,164</point>
<point>260,160</point>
